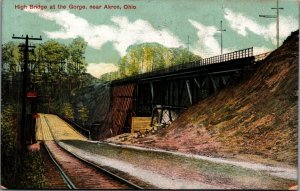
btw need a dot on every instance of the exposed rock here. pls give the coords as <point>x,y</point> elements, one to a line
<point>97,98</point>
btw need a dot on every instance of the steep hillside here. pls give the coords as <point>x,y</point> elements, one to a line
<point>96,98</point>
<point>256,118</point>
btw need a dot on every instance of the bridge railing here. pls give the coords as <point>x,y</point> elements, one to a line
<point>244,53</point>
<point>228,56</point>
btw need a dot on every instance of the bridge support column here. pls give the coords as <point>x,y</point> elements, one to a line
<point>213,83</point>
<point>197,83</point>
<point>187,82</point>
<point>152,93</point>
<point>223,80</point>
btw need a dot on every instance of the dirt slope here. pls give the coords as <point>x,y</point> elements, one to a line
<point>256,118</point>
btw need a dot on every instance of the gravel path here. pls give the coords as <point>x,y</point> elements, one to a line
<point>145,175</point>
<point>175,170</point>
<point>282,172</point>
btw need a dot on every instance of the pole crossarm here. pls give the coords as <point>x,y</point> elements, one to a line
<point>268,16</point>
<point>277,20</point>
<point>29,38</point>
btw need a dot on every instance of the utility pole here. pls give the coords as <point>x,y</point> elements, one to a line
<point>24,91</point>
<point>221,30</point>
<point>277,20</point>
<point>188,45</point>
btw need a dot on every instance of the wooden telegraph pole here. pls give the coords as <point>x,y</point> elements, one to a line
<point>221,30</point>
<point>24,85</point>
<point>277,20</point>
<point>188,43</point>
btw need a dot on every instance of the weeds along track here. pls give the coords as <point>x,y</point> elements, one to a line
<point>53,178</point>
<point>78,173</point>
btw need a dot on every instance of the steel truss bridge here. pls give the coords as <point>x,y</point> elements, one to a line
<point>170,90</point>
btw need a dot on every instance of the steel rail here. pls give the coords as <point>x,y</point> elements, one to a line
<point>96,166</point>
<point>103,169</point>
<point>65,177</point>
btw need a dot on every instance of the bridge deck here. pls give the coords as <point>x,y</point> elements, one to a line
<point>232,60</point>
<point>49,125</point>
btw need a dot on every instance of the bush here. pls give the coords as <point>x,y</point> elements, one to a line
<point>83,114</point>
<point>32,172</point>
<point>8,147</point>
<point>18,170</point>
<point>67,111</point>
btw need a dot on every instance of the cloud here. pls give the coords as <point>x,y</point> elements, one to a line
<point>141,31</point>
<point>243,25</point>
<point>260,50</point>
<point>207,44</point>
<point>122,33</point>
<point>99,69</point>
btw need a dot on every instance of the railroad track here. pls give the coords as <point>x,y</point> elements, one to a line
<point>79,173</point>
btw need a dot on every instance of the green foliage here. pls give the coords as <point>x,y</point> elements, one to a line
<point>134,60</point>
<point>110,76</point>
<point>67,110</point>
<point>54,52</point>
<point>8,131</point>
<point>77,62</point>
<point>122,66</point>
<point>8,146</point>
<point>83,114</point>
<point>11,57</point>
<point>149,57</point>
<point>54,107</point>
<point>32,172</point>
<point>17,171</point>
<point>55,68</point>
<point>183,56</point>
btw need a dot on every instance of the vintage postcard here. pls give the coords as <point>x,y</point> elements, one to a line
<point>149,94</point>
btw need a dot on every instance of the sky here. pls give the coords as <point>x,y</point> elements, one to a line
<point>110,26</point>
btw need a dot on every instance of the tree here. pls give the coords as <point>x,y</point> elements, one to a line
<point>77,64</point>
<point>54,55</point>
<point>83,114</point>
<point>77,50</point>
<point>67,110</point>
<point>148,57</point>
<point>122,66</point>
<point>133,58</point>
<point>183,56</point>
<point>8,145</point>
<point>11,64</point>
<point>11,58</point>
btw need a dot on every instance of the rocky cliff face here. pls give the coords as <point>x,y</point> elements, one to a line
<point>96,98</point>
<point>255,118</point>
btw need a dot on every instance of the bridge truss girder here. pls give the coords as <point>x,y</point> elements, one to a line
<point>153,98</point>
<point>171,90</point>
